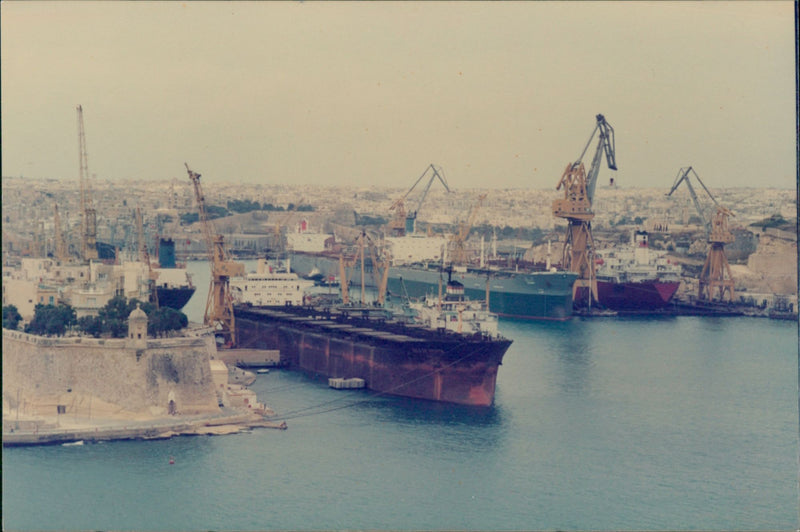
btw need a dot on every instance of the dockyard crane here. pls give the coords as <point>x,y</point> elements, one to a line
<point>219,305</point>
<point>59,244</point>
<point>683,177</point>
<point>89,229</point>
<point>405,222</point>
<point>345,263</point>
<point>576,207</point>
<point>381,261</point>
<point>459,253</point>
<point>144,257</point>
<point>716,273</point>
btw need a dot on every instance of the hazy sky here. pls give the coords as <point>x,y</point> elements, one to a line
<point>497,94</point>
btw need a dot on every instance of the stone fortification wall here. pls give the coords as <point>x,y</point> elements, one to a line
<point>119,380</point>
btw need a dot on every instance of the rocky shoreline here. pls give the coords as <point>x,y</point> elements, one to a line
<point>228,422</point>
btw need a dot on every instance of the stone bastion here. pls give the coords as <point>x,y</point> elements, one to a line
<point>45,377</point>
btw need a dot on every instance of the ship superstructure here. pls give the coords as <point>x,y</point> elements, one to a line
<point>635,277</point>
<point>455,312</point>
<point>269,285</point>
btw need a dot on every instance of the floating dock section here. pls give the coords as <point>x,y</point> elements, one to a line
<point>346,384</point>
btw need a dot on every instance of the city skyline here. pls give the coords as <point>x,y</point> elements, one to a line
<point>498,94</point>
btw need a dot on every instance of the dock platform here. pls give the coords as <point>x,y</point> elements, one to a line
<point>346,384</point>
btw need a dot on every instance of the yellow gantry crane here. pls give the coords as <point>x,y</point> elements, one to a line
<point>89,233</point>
<point>219,305</point>
<point>459,253</point>
<point>576,208</point>
<point>716,273</point>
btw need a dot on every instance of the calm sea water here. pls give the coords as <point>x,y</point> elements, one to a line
<point>613,423</point>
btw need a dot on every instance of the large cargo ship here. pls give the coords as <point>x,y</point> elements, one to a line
<point>391,356</point>
<point>635,278</point>
<point>544,295</point>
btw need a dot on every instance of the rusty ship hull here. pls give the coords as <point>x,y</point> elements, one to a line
<point>391,357</point>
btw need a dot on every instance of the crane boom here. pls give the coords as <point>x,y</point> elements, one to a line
<point>605,145</point>
<point>683,177</point>
<point>405,222</point>
<point>436,174</point>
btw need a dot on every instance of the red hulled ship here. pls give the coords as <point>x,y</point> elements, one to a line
<point>635,278</point>
<point>392,357</point>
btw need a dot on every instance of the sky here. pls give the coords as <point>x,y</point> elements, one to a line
<point>498,94</point>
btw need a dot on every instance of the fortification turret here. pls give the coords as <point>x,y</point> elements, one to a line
<point>137,328</point>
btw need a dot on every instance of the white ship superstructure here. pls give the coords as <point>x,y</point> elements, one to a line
<point>456,312</point>
<point>637,263</point>
<point>269,287</point>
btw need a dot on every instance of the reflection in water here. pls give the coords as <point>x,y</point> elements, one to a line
<point>571,344</point>
<point>420,412</point>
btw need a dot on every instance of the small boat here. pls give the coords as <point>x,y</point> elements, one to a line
<point>72,443</point>
<point>262,371</point>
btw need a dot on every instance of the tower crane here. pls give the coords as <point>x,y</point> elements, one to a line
<point>464,227</point>
<point>406,222</point>
<point>716,273</point>
<point>219,305</point>
<point>89,233</point>
<point>576,207</point>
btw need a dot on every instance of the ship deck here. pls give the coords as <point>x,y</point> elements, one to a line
<point>357,321</point>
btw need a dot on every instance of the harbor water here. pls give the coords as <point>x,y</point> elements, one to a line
<point>680,423</point>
